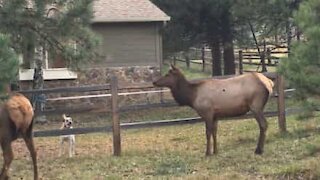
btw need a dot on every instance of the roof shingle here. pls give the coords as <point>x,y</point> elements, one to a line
<point>127,11</point>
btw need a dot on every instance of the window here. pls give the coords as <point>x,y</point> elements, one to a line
<point>54,68</point>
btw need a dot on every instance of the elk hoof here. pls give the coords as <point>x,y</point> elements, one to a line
<point>258,151</point>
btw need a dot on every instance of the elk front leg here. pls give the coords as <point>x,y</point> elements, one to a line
<point>214,136</point>
<point>8,157</point>
<point>207,116</point>
<point>209,134</point>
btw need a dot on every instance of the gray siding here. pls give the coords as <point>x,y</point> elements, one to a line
<point>129,44</point>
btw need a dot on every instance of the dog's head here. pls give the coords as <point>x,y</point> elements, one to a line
<point>67,121</point>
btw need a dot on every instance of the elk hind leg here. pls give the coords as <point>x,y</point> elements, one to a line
<point>263,125</point>
<point>30,145</point>
<point>8,157</point>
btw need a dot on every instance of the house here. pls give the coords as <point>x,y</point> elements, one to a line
<point>130,30</point>
<point>131,45</point>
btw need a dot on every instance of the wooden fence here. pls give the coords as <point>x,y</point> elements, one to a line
<point>264,59</point>
<point>113,92</point>
<point>194,56</point>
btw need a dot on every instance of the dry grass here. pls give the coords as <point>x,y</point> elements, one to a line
<point>177,152</point>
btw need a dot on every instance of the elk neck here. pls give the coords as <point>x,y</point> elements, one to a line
<point>184,92</point>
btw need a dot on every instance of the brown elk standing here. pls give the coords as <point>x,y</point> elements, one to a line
<point>16,116</point>
<point>214,98</point>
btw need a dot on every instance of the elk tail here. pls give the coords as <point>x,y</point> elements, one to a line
<point>268,83</point>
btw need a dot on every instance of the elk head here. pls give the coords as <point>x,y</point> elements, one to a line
<point>170,79</point>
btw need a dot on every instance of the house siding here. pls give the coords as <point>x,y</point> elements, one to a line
<point>129,44</point>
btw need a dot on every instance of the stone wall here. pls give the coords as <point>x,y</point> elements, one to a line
<point>97,76</point>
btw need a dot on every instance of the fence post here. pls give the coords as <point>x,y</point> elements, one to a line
<point>115,117</point>
<point>263,62</point>
<point>263,57</point>
<point>269,56</point>
<point>188,61</point>
<point>281,103</point>
<point>203,56</point>
<point>240,62</point>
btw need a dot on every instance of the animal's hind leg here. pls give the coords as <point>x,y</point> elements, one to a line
<point>71,147</point>
<point>61,147</point>
<point>8,157</point>
<point>30,145</point>
<point>263,125</point>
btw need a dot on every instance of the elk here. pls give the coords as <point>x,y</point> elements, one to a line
<point>217,98</point>
<point>16,119</point>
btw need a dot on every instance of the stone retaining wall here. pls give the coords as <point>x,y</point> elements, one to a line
<point>96,76</point>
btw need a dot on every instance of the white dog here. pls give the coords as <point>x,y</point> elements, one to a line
<point>67,124</point>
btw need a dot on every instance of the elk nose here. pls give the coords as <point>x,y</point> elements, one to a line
<point>154,81</point>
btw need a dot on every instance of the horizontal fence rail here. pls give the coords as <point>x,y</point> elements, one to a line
<point>60,132</point>
<point>149,124</point>
<point>68,89</point>
<point>105,95</point>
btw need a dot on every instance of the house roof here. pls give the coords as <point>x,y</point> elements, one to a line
<point>127,11</point>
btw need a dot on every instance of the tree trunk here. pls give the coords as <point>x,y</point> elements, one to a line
<point>227,39</point>
<point>216,57</point>
<point>289,35</point>
<point>228,57</point>
<point>38,99</point>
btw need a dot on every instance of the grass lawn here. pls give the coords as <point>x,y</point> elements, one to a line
<point>177,152</point>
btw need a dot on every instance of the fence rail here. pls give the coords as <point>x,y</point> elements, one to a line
<point>139,125</point>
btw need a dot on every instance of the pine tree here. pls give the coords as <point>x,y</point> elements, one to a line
<point>201,22</point>
<point>302,68</point>
<point>8,62</point>
<point>60,27</point>
<point>222,23</point>
<point>53,25</point>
